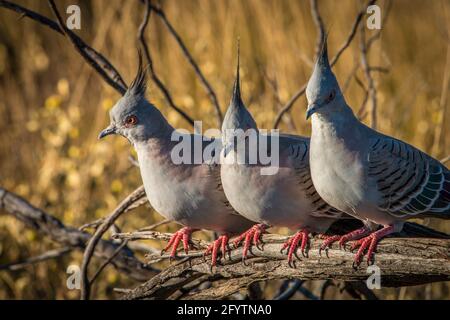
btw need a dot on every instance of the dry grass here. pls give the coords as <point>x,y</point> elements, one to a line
<point>53,105</point>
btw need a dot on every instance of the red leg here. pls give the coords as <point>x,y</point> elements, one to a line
<point>222,243</point>
<point>354,235</point>
<point>252,234</point>
<point>370,242</point>
<point>293,242</point>
<point>184,235</point>
<point>225,239</point>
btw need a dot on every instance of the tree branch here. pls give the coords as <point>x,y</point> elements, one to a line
<point>53,228</point>
<point>402,262</point>
<point>209,90</point>
<point>126,205</point>
<point>95,59</point>
<point>153,74</point>
<point>334,60</point>
<point>50,254</point>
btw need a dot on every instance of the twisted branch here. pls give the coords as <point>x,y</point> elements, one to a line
<point>402,262</point>
<point>70,237</point>
<point>209,90</point>
<point>153,74</point>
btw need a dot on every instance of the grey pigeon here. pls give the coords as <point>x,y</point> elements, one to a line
<point>371,176</point>
<point>286,199</point>
<point>190,194</point>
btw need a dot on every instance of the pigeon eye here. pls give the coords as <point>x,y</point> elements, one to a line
<point>131,121</point>
<point>331,96</point>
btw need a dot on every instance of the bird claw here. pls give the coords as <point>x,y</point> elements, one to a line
<point>251,236</point>
<point>183,235</point>
<point>219,243</point>
<point>292,243</point>
<point>370,243</point>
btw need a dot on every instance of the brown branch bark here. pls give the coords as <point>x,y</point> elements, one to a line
<point>49,226</point>
<point>402,261</point>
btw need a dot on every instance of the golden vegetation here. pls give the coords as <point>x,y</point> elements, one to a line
<point>53,104</point>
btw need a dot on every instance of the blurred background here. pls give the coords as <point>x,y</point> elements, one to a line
<point>53,105</point>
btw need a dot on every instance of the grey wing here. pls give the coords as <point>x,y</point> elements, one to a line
<point>409,182</point>
<point>213,166</point>
<point>297,150</point>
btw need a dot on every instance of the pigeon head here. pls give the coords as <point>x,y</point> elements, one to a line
<point>237,116</point>
<point>323,92</point>
<point>133,116</point>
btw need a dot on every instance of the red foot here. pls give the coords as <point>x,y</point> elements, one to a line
<point>292,243</point>
<point>213,248</point>
<point>354,235</point>
<point>370,242</point>
<point>184,235</point>
<point>252,234</point>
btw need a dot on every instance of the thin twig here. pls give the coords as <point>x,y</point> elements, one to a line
<point>156,225</point>
<point>319,26</point>
<point>95,59</point>
<point>108,261</point>
<point>370,82</point>
<point>352,32</point>
<point>446,159</point>
<point>155,235</point>
<point>93,224</point>
<point>334,60</point>
<point>123,207</point>
<point>292,288</point>
<point>212,95</point>
<point>51,254</point>
<point>151,68</point>
<point>67,236</point>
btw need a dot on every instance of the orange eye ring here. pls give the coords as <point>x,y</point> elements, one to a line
<point>131,121</point>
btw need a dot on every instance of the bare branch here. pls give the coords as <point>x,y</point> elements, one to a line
<point>370,82</point>
<point>319,25</point>
<point>155,235</point>
<point>153,74</point>
<point>108,261</point>
<point>352,32</point>
<point>334,60</point>
<point>402,262</point>
<point>209,90</point>
<point>446,159</point>
<point>95,59</point>
<point>156,225</point>
<point>53,228</point>
<point>126,205</point>
<point>51,254</point>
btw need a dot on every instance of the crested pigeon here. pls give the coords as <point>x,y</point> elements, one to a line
<point>287,198</point>
<point>371,176</point>
<point>189,194</point>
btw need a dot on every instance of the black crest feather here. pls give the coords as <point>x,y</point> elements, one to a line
<point>323,54</point>
<point>139,84</point>
<point>237,88</point>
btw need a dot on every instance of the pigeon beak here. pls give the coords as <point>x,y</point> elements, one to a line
<point>312,108</point>
<point>111,129</point>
